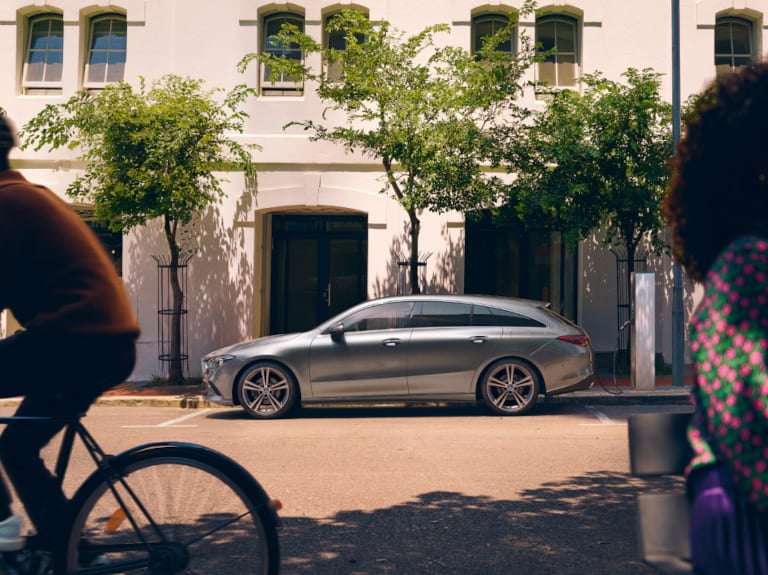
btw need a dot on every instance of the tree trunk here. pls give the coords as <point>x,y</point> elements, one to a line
<point>175,367</point>
<point>413,269</point>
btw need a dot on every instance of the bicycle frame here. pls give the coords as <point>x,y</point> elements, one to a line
<point>75,429</point>
<point>150,535</point>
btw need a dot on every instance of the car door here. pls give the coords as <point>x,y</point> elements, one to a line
<point>368,359</point>
<point>445,349</point>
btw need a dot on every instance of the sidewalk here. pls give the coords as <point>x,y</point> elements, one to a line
<point>605,389</point>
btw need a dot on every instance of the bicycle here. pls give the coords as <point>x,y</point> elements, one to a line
<point>159,508</point>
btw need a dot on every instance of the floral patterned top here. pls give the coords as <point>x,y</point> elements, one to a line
<point>729,343</point>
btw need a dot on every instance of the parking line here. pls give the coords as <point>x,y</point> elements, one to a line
<point>600,416</point>
<point>175,422</point>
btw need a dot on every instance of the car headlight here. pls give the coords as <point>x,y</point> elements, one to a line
<point>211,364</point>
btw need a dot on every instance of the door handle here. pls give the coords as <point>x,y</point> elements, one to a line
<point>327,295</point>
<point>391,342</point>
<point>478,339</point>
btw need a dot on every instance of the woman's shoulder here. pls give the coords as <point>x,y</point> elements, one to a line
<point>743,255</point>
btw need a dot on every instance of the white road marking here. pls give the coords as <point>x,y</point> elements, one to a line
<point>175,422</point>
<point>601,417</point>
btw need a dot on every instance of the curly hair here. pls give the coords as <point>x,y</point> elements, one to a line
<point>718,188</point>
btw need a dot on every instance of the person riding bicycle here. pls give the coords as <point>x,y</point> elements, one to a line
<point>78,338</point>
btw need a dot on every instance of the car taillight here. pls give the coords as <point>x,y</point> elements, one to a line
<point>580,340</point>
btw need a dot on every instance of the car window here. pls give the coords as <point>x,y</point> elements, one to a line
<point>481,315</point>
<point>507,318</point>
<point>385,316</point>
<point>441,314</point>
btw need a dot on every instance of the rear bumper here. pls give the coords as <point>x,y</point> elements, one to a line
<point>585,383</point>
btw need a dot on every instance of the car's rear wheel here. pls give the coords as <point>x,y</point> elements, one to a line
<point>267,390</point>
<point>510,387</point>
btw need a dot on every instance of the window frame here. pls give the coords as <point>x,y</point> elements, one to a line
<point>284,86</point>
<point>93,21</point>
<point>573,23</point>
<point>730,21</point>
<point>476,38</point>
<point>43,86</point>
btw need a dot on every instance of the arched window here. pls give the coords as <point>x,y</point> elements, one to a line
<point>485,26</point>
<point>734,44</point>
<point>272,26</point>
<point>560,67</point>
<point>45,54</point>
<point>106,50</point>
<point>336,40</point>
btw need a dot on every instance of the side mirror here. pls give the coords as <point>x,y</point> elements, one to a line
<point>337,332</point>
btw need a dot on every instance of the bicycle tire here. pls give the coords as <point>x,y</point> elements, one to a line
<point>201,502</point>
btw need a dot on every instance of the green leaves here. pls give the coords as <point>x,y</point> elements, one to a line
<point>597,160</point>
<point>424,109</point>
<point>149,152</point>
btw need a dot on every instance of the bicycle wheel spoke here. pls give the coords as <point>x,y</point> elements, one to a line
<point>207,524</point>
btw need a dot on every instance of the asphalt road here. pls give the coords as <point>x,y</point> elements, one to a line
<point>422,491</point>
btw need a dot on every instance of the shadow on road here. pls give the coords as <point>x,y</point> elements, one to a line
<point>392,411</point>
<point>582,526</point>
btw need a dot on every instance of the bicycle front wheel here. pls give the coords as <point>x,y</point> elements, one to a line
<point>171,509</point>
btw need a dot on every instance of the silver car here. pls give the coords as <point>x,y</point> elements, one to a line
<point>500,351</point>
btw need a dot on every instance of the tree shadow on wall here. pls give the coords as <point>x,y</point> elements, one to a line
<point>444,270</point>
<point>222,274</point>
<point>583,525</point>
<point>446,274</point>
<point>219,282</point>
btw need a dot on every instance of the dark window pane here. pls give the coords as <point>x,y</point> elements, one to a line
<point>443,314</point>
<point>117,42</point>
<point>101,33</point>
<point>510,319</point>
<point>39,37</point>
<point>98,58</point>
<point>545,36</point>
<point>337,40</point>
<point>739,61</point>
<point>566,37</point>
<point>482,315</point>
<point>385,316</point>
<point>722,39</point>
<point>37,58</point>
<point>486,26</point>
<point>742,39</point>
<point>115,58</point>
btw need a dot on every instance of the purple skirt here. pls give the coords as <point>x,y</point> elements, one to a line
<point>728,535</point>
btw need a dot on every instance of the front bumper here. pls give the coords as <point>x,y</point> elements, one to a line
<point>214,395</point>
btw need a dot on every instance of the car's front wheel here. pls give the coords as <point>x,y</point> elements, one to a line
<point>267,390</point>
<point>510,387</point>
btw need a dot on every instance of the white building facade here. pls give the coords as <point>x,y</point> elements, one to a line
<point>312,233</point>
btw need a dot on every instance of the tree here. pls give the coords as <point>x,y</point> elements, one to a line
<point>149,154</point>
<point>424,111</point>
<point>597,161</point>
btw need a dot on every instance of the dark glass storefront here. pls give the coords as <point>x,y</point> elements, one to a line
<point>319,268</point>
<point>508,259</point>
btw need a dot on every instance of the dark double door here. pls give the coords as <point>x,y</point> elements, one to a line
<point>319,265</point>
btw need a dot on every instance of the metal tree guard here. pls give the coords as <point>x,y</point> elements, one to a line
<point>623,292</point>
<point>403,276</point>
<point>166,311</point>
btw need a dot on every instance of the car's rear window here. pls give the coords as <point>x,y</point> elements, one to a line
<point>507,318</point>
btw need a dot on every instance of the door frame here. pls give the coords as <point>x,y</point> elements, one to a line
<point>319,228</point>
